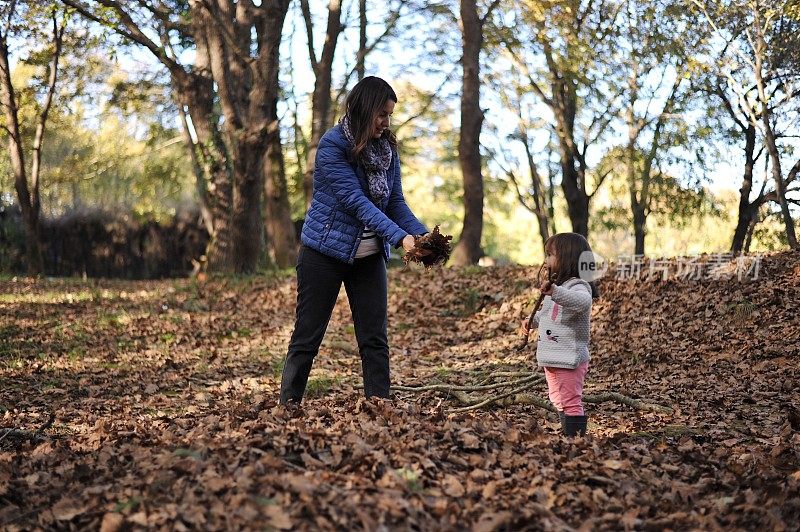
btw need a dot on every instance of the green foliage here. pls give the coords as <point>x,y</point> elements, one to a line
<point>188,453</point>
<point>320,386</point>
<point>471,300</point>
<point>276,365</point>
<point>411,479</point>
<point>128,505</point>
<point>770,234</point>
<point>125,154</point>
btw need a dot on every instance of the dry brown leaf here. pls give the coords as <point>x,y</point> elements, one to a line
<point>491,521</point>
<point>215,359</point>
<point>614,464</point>
<point>278,517</point>
<point>138,518</point>
<point>452,486</point>
<point>67,509</point>
<point>431,249</point>
<point>470,441</point>
<point>112,522</point>
<point>5,475</point>
<point>489,490</point>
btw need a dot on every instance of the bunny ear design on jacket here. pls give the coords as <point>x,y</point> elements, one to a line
<point>554,315</point>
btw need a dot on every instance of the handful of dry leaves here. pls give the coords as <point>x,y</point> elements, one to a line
<point>432,249</point>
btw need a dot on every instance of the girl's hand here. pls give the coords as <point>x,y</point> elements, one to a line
<point>547,288</point>
<point>523,328</point>
<point>408,243</point>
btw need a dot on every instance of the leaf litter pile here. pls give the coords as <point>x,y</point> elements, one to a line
<point>153,405</point>
<point>431,249</point>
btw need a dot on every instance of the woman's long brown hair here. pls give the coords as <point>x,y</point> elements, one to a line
<point>362,106</point>
<point>567,247</point>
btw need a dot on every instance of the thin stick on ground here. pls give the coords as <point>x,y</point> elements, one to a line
<point>493,399</point>
<point>35,436</point>
<point>616,397</point>
<point>509,392</point>
<point>476,388</point>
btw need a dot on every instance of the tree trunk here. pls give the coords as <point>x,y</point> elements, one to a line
<point>320,112</point>
<point>639,229</point>
<point>214,158</point>
<point>362,39</point>
<point>577,199</point>
<point>230,40</point>
<point>539,198</point>
<point>538,191</point>
<point>638,209</point>
<point>468,250</point>
<point>199,176</point>
<point>780,189</point>
<point>640,187</point>
<point>551,188</point>
<point>572,171</point>
<point>749,239</point>
<point>746,210</point>
<point>246,217</point>
<point>196,91</point>
<point>247,97</point>
<point>760,49</point>
<point>27,196</point>
<point>743,227</point>
<point>278,225</point>
<point>321,98</point>
<point>38,141</point>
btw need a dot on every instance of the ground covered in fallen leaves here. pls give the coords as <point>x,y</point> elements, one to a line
<point>153,404</point>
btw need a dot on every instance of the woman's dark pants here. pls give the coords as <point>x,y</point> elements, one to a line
<point>319,279</point>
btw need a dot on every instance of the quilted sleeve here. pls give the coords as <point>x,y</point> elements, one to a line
<point>577,297</point>
<point>398,209</point>
<point>335,171</point>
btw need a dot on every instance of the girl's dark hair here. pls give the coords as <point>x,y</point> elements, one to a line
<point>361,107</point>
<point>567,248</point>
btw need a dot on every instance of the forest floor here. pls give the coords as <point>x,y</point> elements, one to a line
<point>153,404</point>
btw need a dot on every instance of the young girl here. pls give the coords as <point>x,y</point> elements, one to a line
<point>563,324</point>
<point>357,211</point>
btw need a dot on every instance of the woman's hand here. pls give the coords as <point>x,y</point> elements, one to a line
<point>409,243</point>
<point>547,288</point>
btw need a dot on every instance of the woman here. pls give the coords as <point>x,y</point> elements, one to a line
<point>357,211</point>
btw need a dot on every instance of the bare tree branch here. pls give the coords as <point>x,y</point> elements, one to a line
<point>489,10</point>
<point>12,7</point>
<point>428,103</point>
<point>223,27</point>
<point>600,181</point>
<point>522,65</point>
<point>309,33</point>
<point>520,196</point>
<point>130,30</point>
<point>581,17</point>
<point>391,24</point>
<point>58,34</point>
<point>727,103</point>
<point>161,13</point>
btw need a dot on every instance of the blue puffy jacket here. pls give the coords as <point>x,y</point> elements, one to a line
<point>341,207</point>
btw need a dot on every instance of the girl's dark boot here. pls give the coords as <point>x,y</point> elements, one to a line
<point>574,425</point>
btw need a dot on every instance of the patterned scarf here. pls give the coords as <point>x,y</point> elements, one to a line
<point>375,159</point>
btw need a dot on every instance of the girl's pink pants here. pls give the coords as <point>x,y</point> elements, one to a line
<point>565,388</point>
